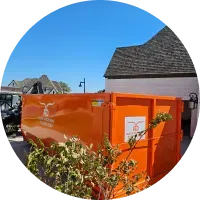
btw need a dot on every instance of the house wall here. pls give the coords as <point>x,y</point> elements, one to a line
<point>187,112</point>
<point>198,109</point>
<point>48,91</point>
<point>53,92</point>
<point>178,87</point>
<point>13,84</point>
<point>25,89</point>
<point>29,91</point>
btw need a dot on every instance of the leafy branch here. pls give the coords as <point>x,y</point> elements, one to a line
<point>77,170</point>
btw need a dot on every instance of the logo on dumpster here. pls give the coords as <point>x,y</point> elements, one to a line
<point>136,125</point>
<point>44,120</point>
<point>46,111</point>
<point>133,125</point>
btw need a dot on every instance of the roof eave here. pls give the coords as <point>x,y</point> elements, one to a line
<point>170,75</point>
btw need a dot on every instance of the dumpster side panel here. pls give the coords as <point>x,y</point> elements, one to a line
<point>49,117</point>
<point>159,150</point>
<point>166,143</point>
<point>130,115</point>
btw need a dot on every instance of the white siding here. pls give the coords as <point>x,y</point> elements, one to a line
<point>198,109</point>
<point>47,91</point>
<point>53,92</point>
<point>179,87</point>
<point>194,119</point>
<point>25,89</point>
<point>13,84</point>
<point>29,91</point>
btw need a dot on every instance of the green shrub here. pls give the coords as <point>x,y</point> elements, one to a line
<point>75,169</point>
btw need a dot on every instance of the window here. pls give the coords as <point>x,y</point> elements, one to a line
<point>2,97</point>
<point>24,89</point>
<point>9,97</point>
<point>6,99</point>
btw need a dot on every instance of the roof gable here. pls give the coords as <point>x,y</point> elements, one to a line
<point>57,86</point>
<point>13,82</point>
<point>164,54</point>
<point>53,91</point>
<point>19,83</point>
<point>46,83</point>
<point>25,82</point>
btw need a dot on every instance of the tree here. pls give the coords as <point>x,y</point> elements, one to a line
<point>65,87</point>
<point>101,91</point>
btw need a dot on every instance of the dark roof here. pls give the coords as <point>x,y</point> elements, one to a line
<point>57,86</point>
<point>46,83</point>
<point>163,55</point>
<point>30,83</point>
<point>19,83</point>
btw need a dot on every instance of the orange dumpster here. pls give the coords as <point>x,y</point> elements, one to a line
<point>90,116</point>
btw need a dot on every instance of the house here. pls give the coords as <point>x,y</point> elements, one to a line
<point>161,66</point>
<point>49,87</point>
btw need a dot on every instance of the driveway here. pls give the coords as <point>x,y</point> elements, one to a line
<point>17,147</point>
<point>20,147</point>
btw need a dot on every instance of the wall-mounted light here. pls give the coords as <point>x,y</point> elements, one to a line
<point>193,101</point>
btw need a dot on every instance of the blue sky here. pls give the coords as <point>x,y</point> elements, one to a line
<point>78,41</point>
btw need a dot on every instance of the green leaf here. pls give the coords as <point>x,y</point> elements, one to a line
<point>49,161</point>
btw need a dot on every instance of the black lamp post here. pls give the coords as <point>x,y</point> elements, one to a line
<point>193,102</point>
<point>80,85</point>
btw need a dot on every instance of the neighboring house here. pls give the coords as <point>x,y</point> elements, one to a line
<point>49,87</point>
<point>161,66</point>
<point>9,96</point>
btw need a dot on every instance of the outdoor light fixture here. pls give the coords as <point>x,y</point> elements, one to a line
<point>80,85</point>
<point>193,102</point>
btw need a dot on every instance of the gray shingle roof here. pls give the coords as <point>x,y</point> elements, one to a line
<point>163,55</point>
<point>57,85</point>
<point>46,83</point>
<point>19,83</point>
<point>29,83</point>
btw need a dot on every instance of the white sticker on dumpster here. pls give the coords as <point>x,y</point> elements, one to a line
<point>133,125</point>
